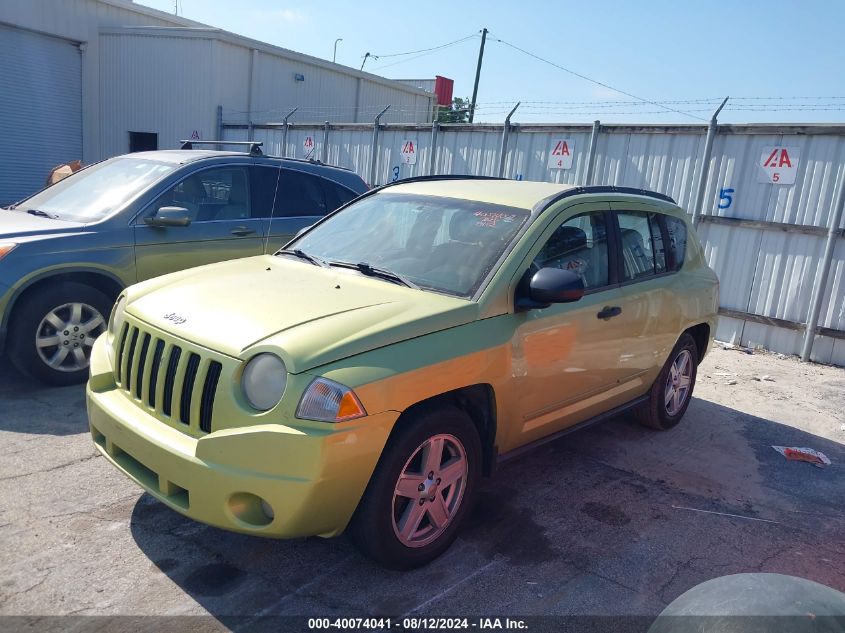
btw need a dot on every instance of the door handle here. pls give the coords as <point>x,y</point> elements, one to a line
<point>240,231</point>
<point>608,312</point>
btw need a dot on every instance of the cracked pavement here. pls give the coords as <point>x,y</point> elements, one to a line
<point>611,520</point>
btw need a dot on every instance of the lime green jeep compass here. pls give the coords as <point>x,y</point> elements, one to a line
<point>366,377</point>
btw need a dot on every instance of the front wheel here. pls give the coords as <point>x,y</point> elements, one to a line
<point>421,491</point>
<point>671,392</point>
<point>52,332</point>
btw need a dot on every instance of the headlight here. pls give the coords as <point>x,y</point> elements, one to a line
<point>6,248</point>
<point>118,315</point>
<point>264,380</point>
<point>329,401</point>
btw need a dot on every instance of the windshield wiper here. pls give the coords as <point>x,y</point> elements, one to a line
<point>303,255</point>
<point>372,271</point>
<point>42,214</point>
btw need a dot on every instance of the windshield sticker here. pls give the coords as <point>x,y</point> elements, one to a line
<point>492,218</point>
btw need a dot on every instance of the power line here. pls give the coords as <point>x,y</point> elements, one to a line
<point>595,81</point>
<point>428,52</point>
<point>424,50</point>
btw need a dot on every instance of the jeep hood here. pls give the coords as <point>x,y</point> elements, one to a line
<point>19,224</point>
<point>313,315</point>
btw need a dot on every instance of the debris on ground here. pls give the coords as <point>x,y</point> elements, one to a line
<point>723,373</point>
<point>730,382</point>
<point>814,457</point>
<point>781,356</point>
<point>842,427</point>
<point>738,348</point>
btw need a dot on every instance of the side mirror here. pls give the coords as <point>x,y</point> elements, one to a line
<point>170,216</point>
<point>548,286</point>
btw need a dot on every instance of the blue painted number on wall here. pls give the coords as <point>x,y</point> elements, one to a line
<point>726,198</point>
<point>395,174</point>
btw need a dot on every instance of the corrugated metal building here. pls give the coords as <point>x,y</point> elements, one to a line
<point>80,75</point>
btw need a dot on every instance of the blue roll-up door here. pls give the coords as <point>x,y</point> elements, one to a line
<point>40,109</point>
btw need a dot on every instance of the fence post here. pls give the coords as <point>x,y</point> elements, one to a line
<point>503,149</point>
<point>325,153</point>
<point>705,165</point>
<point>821,281</point>
<point>220,123</point>
<point>591,153</point>
<point>432,154</point>
<point>285,132</point>
<point>374,152</point>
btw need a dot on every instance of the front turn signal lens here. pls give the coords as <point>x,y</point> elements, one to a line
<point>329,401</point>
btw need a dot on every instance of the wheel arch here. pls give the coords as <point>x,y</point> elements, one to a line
<point>701,335</point>
<point>477,401</point>
<point>105,282</point>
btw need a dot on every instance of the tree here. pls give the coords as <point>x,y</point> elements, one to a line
<point>458,112</point>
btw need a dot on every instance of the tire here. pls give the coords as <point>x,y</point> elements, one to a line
<point>45,316</point>
<point>383,512</point>
<point>659,414</point>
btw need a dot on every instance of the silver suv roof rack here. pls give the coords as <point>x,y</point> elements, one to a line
<point>254,146</point>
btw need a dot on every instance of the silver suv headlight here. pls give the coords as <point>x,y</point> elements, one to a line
<point>263,381</point>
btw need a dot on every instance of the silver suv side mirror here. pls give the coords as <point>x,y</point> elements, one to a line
<point>170,216</point>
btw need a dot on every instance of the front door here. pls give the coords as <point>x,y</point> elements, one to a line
<point>222,226</point>
<point>572,359</point>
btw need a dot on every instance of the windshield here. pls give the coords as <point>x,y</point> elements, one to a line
<point>94,193</point>
<point>441,244</point>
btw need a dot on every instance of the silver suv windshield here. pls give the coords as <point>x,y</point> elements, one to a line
<point>97,191</point>
<point>435,243</point>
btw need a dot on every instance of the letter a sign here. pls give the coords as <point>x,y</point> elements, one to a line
<point>778,165</point>
<point>560,155</point>
<point>308,147</point>
<point>409,152</point>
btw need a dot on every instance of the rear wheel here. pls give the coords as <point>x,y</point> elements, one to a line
<point>52,332</point>
<point>671,392</point>
<point>421,491</point>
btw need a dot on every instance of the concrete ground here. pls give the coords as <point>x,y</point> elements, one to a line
<point>612,520</point>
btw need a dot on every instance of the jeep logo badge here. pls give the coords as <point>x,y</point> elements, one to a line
<point>178,320</point>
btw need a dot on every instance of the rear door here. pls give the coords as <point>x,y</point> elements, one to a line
<point>645,275</point>
<point>222,223</point>
<point>300,202</point>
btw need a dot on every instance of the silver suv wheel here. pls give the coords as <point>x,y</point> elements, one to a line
<point>65,336</point>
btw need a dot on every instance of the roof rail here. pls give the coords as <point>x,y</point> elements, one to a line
<point>438,177</point>
<point>614,189</point>
<point>254,146</point>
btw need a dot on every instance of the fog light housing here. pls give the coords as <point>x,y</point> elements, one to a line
<point>250,509</point>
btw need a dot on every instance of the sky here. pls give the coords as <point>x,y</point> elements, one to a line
<point>779,61</point>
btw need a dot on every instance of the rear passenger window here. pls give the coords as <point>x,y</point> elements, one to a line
<point>579,245</point>
<point>677,232</point>
<point>643,250</point>
<point>299,194</point>
<point>336,195</point>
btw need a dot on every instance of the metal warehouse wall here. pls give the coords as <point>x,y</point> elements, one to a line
<point>766,244</point>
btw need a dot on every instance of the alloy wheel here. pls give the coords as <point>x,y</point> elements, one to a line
<point>429,491</point>
<point>65,336</point>
<point>678,383</point>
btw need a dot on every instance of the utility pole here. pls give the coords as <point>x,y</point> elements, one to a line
<point>477,75</point>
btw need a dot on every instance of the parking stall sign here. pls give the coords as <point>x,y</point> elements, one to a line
<point>409,152</point>
<point>308,147</point>
<point>778,164</point>
<point>560,153</point>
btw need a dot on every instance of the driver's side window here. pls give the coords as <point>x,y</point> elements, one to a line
<point>212,194</point>
<point>579,245</point>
